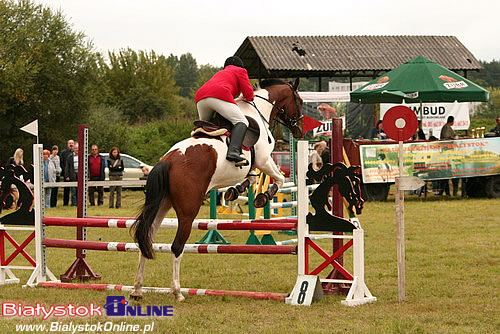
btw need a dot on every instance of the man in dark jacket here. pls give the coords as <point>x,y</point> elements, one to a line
<point>64,156</point>
<point>71,171</point>
<point>97,164</point>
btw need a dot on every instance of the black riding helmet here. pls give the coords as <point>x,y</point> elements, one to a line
<point>235,61</point>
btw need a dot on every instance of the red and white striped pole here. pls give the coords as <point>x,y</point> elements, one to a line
<point>188,291</point>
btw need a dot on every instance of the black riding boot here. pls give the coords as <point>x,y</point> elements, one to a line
<point>234,150</point>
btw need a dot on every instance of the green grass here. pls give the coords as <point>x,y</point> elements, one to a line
<point>452,263</point>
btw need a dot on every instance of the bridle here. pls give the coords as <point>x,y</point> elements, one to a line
<point>283,117</point>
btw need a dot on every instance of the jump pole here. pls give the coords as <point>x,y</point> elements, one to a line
<point>187,291</point>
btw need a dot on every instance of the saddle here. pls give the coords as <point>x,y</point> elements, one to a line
<point>219,126</point>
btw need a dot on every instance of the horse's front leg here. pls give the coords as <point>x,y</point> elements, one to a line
<point>233,192</point>
<point>273,171</point>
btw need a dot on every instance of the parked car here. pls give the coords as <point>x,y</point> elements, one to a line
<point>133,167</point>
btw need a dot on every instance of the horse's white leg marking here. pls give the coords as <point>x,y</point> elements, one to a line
<point>176,281</point>
<point>252,178</point>
<point>139,277</point>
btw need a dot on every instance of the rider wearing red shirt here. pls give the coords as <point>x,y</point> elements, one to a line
<point>217,95</point>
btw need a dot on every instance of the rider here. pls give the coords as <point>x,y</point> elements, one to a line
<point>217,95</point>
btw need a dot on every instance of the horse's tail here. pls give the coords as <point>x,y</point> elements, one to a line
<point>156,190</point>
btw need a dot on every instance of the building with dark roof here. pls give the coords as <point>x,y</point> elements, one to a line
<point>348,56</point>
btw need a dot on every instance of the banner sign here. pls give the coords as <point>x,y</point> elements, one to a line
<point>326,128</point>
<point>434,115</point>
<point>432,160</point>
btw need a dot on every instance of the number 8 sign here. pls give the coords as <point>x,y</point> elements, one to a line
<point>307,289</point>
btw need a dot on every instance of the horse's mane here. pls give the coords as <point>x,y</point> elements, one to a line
<point>271,82</point>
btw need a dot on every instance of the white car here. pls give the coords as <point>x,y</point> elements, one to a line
<point>133,167</point>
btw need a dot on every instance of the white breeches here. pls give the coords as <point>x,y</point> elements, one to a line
<point>228,110</point>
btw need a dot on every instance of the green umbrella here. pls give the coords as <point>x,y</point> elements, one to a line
<point>419,80</point>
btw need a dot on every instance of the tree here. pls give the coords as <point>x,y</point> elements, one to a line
<point>140,84</point>
<point>107,128</point>
<point>205,72</point>
<point>46,70</point>
<point>173,62</point>
<point>186,75</point>
<point>489,76</point>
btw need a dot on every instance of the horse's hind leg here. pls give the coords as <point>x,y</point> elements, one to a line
<point>139,277</point>
<point>186,212</point>
<point>181,237</point>
<point>176,279</point>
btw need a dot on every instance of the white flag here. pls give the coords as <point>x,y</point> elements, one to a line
<point>31,128</point>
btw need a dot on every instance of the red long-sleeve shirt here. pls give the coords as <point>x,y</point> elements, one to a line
<point>226,85</point>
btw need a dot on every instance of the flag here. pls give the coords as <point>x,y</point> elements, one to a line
<point>31,128</point>
<point>310,123</point>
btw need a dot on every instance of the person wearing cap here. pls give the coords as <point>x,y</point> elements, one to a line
<point>217,95</point>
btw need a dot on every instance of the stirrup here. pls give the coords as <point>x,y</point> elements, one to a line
<point>242,163</point>
<point>239,163</point>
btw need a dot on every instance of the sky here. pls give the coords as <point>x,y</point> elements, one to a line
<point>212,30</point>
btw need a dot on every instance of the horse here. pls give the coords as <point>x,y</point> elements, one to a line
<point>196,165</point>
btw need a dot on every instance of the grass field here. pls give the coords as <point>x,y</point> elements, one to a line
<point>452,276</point>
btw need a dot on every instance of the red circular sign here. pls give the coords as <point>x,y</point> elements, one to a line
<point>400,123</point>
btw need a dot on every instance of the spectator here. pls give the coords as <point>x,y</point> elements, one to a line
<point>315,156</point>
<point>496,129</point>
<point>49,175</point>
<point>64,156</point>
<point>71,171</point>
<point>115,166</point>
<point>325,155</point>
<point>419,135</point>
<point>378,131</point>
<point>446,131</point>
<point>97,164</point>
<point>17,159</point>
<point>54,158</point>
<point>145,173</point>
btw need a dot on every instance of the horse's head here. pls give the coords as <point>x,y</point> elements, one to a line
<point>287,104</point>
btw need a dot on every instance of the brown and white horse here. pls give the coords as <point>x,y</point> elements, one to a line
<point>194,166</point>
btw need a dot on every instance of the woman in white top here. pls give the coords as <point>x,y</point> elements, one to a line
<point>56,161</point>
<point>315,156</point>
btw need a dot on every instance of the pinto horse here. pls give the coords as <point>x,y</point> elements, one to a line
<point>196,165</point>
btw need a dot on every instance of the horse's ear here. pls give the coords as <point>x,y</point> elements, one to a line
<point>296,84</point>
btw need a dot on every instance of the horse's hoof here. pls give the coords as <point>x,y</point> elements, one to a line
<point>231,194</point>
<point>179,297</point>
<point>260,201</point>
<point>135,297</point>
